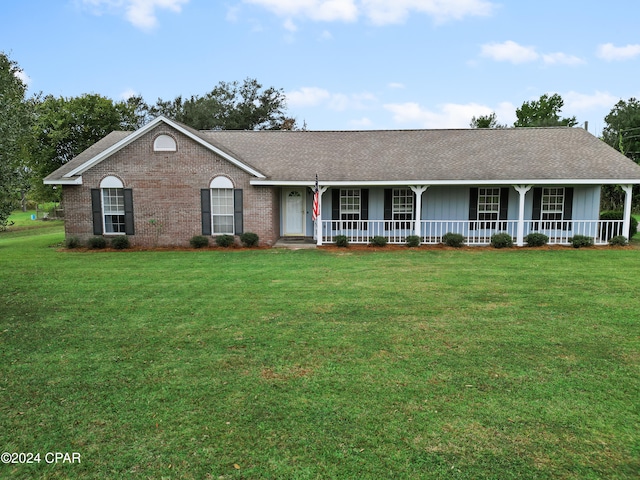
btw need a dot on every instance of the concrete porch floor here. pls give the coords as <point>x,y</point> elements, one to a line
<point>295,243</point>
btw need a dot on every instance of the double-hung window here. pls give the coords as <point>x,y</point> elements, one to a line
<point>350,202</point>
<point>112,207</point>
<point>402,208</point>
<point>221,208</point>
<point>552,208</point>
<point>488,207</point>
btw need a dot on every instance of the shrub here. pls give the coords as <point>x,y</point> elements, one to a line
<point>97,242</point>
<point>379,241</point>
<point>120,243</point>
<point>536,239</point>
<point>72,242</point>
<point>199,241</point>
<point>413,241</point>
<point>249,239</point>
<point>618,241</point>
<point>224,240</point>
<point>501,240</point>
<point>453,239</point>
<point>341,241</point>
<point>578,241</point>
<point>619,215</point>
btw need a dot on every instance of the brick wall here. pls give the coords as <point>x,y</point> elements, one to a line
<point>166,192</point>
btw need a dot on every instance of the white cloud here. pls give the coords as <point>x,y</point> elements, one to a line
<point>509,51</point>
<point>326,35</point>
<point>560,58</point>
<point>449,115</point>
<point>610,52</point>
<point>314,97</point>
<point>396,85</point>
<point>515,53</point>
<point>128,93</point>
<point>307,97</point>
<point>289,25</point>
<point>140,13</point>
<point>379,12</point>
<point>23,77</point>
<point>575,101</point>
<point>363,123</point>
<point>382,12</point>
<point>319,10</point>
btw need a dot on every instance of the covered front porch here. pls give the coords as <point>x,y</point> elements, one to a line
<point>429,212</point>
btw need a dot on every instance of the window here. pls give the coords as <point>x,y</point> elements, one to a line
<point>488,207</point>
<point>112,206</point>
<point>350,207</point>
<point>113,210</point>
<point>402,207</point>
<point>221,208</point>
<point>164,143</point>
<point>552,203</point>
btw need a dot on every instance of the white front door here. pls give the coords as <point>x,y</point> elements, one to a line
<point>294,211</point>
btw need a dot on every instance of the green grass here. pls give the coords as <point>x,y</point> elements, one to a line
<point>470,364</point>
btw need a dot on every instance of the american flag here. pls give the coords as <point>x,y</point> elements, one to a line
<point>316,200</point>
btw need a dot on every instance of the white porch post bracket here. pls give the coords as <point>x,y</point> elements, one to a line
<point>522,190</point>
<point>321,190</point>
<point>418,190</point>
<point>628,196</point>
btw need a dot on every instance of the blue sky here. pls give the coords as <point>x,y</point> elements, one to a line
<point>343,64</point>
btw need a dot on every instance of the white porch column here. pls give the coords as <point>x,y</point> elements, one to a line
<point>522,190</point>
<point>321,190</point>
<point>418,190</point>
<point>626,224</point>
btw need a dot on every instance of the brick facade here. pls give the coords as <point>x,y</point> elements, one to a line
<point>166,192</point>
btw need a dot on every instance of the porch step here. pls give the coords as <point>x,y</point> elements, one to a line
<point>295,243</point>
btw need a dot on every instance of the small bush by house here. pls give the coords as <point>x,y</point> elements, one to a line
<point>579,241</point>
<point>501,240</point>
<point>618,241</point>
<point>536,239</point>
<point>72,242</point>
<point>120,243</point>
<point>224,240</point>
<point>199,241</point>
<point>453,239</point>
<point>379,241</point>
<point>249,239</point>
<point>97,243</point>
<point>413,241</point>
<point>341,241</point>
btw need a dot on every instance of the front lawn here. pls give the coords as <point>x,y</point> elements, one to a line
<point>479,363</point>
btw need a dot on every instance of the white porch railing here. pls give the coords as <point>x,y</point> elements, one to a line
<point>474,232</point>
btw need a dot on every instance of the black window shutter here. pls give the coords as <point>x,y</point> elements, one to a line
<point>388,204</point>
<point>568,206</point>
<point>335,207</point>
<point>129,228</point>
<point>205,206</point>
<point>364,204</point>
<point>473,206</point>
<point>504,203</point>
<point>537,204</point>
<point>237,211</point>
<point>96,209</point>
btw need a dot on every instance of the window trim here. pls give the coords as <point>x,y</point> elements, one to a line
<point>408,210</point>
<point>165,143</point>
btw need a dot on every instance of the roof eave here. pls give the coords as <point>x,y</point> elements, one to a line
<point>373,183</point>
<point>144,129</point>
<point>63,181</point>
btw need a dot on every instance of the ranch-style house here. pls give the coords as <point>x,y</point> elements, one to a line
<point>166,182</point>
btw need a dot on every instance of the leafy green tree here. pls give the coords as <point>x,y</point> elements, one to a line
<point>64,127</point>
<point>622,132</point>
<point>229,106</point>
<point>486,121</point>
<point>544,112</point>
<point>14,133</point>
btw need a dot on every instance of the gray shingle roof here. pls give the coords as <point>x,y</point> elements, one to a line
<point>438,155</point>
<point>476,155</point>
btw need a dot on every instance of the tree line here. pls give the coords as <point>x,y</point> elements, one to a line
<point>43,132</point>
